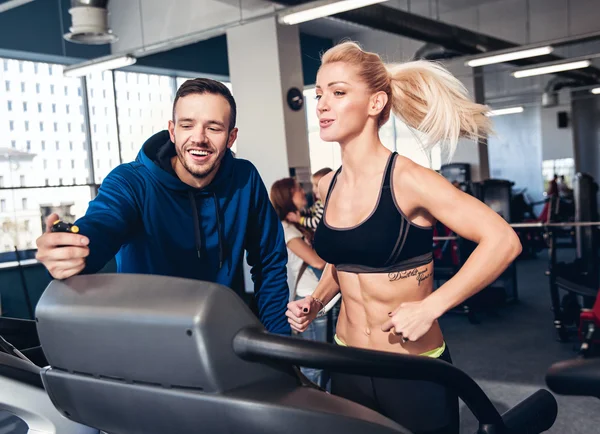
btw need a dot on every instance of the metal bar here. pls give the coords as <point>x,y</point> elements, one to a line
<point>48,186</point>
<point>24,285</point>
<point>558,224</point>
<point>88,136</point>
<point>11,4</point>
<point>114,86</point>
<point>445,238</point>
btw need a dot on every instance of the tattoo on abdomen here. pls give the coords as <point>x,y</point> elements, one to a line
<point>420,275</point>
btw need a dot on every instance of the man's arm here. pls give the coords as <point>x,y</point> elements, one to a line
<point>111,218</point>
<point>267,257</point>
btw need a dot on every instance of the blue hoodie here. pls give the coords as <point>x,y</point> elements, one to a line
<point>156,224</point>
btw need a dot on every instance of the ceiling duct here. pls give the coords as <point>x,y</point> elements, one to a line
<point>89,23</point>
<point>550,95</point>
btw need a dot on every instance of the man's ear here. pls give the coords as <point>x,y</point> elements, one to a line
<point>171,128</point>
<point>232,138</point>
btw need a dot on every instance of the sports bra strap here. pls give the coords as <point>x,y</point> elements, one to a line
<point>388,170</point>
<point>332,184</point>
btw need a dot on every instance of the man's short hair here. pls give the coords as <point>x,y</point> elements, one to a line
<point>202,86</point>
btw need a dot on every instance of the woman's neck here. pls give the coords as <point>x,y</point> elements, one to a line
<point>362,156</point>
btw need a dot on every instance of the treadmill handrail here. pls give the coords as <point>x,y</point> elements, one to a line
<point>254,344</point>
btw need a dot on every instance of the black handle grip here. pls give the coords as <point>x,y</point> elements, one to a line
<point>60,226</point>
<point>535,414</point>
<point>579,377</point>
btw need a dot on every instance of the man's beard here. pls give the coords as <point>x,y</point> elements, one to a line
<point>200,171</point>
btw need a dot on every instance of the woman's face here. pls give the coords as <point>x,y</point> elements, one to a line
<point>299,197</point>
<point>344,101</point>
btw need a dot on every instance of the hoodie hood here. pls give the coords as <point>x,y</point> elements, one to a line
<point>159,146</point>
<point>157,149</point>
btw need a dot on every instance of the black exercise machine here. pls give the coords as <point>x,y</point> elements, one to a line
<point>580,279</point>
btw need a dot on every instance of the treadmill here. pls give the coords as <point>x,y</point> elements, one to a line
<point>142,354</point>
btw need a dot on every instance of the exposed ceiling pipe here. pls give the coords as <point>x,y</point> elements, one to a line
<point>451,37</point>
<point>435,52</point>
<point>550,95</point>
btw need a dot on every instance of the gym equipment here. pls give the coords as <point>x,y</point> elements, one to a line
<point>456,172</point>
<point>581,376</point>
<point>192,356</point>
<point>589,329</point>
<point>580,279</point>
<point>24,396</point>
<point>577,377</point>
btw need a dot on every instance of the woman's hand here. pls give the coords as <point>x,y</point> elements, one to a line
<point>293,217</point>
<point>412,320</point>
<point>301,313</point>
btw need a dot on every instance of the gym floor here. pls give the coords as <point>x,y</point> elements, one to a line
<point>508,354</point>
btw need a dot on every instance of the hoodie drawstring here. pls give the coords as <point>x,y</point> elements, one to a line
<point>198,231</point>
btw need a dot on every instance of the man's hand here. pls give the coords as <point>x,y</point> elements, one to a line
<point>62,253</point>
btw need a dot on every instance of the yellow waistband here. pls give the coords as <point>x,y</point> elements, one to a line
<point>435,353</point>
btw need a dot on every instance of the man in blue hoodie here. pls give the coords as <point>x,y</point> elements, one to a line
<point>186,208</point>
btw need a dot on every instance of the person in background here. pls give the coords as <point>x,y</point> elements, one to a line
<point>287,197</point>
<point>310,218</point>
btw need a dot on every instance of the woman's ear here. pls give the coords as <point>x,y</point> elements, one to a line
<point>377,103</point>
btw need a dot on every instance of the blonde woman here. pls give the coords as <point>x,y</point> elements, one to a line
<point>376,231</point>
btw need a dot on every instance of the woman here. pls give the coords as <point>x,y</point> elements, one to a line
<point>287,197</point>
<point>376,231</point>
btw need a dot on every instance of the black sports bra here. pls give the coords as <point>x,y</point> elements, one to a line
<point>385,242</point>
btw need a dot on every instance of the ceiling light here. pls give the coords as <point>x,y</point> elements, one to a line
<point>505,111</point>
<point>508,57</point>
<point>596,91</point>
<point>319,9</point>
<point>98,65</point>
<point>549,69</point>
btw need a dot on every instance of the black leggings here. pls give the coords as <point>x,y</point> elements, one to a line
<point>419,406</point>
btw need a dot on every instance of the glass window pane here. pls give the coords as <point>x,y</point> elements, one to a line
<point>103,120</point>
<point>30,163</point>
<point>138,129</point>
<point>23,211</point>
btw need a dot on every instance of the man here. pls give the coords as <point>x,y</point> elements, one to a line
<point>186,208</point>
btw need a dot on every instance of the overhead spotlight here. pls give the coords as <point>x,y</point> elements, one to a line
<point>596,91</point>
<point>101,64</point>
<point>508,57</point>
<point>550,69</point>
<point>319,9</point>
<point>506,111</point>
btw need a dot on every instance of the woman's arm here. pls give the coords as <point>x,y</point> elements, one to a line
<point>497,243</point>
<point>328,286</point>
<point>306,253</point>
<point>434,198</point>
